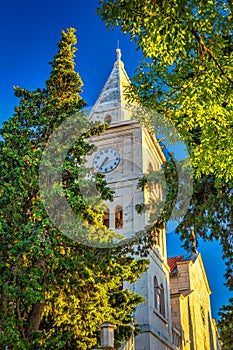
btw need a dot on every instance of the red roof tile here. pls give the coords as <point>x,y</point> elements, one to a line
<point>172,262</point>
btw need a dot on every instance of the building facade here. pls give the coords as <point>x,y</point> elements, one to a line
<point>126,151</point>
<point>190,302</point>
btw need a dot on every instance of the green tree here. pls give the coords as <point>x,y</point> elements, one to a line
<point>186,75</point>
<point>226,325</point>
<point>55,292</point>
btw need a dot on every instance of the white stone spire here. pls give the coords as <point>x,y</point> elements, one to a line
<point>112,98</point>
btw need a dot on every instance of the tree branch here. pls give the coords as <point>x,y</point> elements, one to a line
<point>199,40</point>
<point>211,54</point>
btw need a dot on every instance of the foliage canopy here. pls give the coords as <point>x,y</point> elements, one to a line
<point>187,75</point>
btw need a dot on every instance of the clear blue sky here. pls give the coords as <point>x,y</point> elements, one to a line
<point>29,33</point>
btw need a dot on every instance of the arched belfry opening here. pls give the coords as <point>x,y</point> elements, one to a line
<point>118,216</point>
<point>106,217</point>
<point>157,295</point>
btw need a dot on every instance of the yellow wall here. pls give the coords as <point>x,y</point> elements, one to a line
<point>191,310</point>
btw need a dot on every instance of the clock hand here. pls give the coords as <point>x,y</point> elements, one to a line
<point>104,162</point>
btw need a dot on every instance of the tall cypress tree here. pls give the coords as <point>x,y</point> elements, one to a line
<point>54,292</point>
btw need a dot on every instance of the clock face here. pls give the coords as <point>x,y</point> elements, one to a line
<point>106,160</point>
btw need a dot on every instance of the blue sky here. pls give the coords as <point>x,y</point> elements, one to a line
<point>29,33</point>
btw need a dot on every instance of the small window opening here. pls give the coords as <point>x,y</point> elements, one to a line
<point>118,217</point>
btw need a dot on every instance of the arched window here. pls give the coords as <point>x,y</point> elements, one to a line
<point>157,295</point>
<point>203,316</point>
<point>118,216</point>
<point>108,119</point>
<point>162,300</point>
<point>106,217</point>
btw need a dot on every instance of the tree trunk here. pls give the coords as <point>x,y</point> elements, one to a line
<point>35,318</point>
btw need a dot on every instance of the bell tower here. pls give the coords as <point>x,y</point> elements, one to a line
<point>126,151</point>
